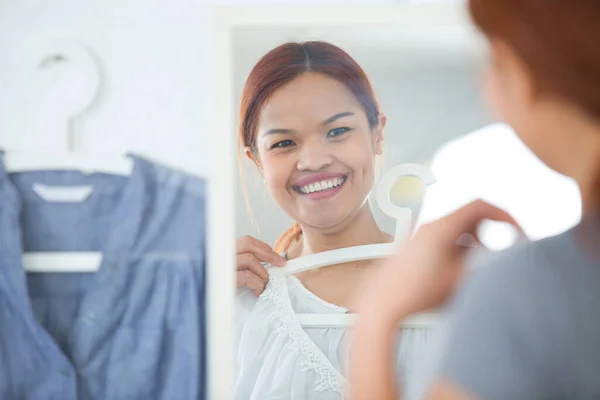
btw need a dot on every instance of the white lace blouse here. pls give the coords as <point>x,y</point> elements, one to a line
<point>278,359</point>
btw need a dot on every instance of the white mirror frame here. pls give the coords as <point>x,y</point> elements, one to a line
<point>221,231</point>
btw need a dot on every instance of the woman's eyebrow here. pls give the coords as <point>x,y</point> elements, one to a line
<point>336,117</point>
<point>276,131</point>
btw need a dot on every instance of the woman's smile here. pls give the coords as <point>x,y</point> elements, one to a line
<point>320,186</point>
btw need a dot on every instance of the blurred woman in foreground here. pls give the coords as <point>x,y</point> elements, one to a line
<point>526,323</point>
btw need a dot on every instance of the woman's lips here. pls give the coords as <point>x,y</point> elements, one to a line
<point>323,188</point>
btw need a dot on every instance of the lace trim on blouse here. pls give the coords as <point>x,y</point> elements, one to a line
<point>313,358</point>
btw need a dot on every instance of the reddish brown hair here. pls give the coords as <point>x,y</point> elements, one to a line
<point>558,40</point>
<point>285,63</point>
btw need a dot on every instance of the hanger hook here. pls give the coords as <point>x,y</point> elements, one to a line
<point>55,54</point>
<point>402,215</point>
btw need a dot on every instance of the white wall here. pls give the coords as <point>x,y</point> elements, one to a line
<point>153,60</point>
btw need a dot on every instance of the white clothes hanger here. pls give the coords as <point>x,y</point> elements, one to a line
<point>80,98</point>
<point>44,58</point>
<point>62,261</point>
<point>403,217</point>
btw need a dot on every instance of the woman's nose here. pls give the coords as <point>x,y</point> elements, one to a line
<point>314,157</point>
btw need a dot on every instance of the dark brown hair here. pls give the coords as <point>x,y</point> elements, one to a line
<point>285,63</point>
<point>558,40</point>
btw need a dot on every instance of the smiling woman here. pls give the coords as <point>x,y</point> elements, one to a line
<point>316,109</point>
<point>311,124</point>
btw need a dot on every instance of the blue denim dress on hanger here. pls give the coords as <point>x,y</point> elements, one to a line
<point>132,330</point>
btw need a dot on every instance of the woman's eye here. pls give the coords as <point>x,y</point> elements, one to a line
<point>337,132</point>
<point>283,143</point>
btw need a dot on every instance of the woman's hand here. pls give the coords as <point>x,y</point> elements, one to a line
<point>251,253</point>
<point>421,276</point>
<point>424,273</point>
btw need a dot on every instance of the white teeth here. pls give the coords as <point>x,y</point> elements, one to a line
<point>321,186</point>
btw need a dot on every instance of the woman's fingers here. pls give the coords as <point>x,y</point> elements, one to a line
<point>251,253</point>
<point>466,219</point>
<point>248,261</point>
<point>261,250</point>
<point>250,280</point>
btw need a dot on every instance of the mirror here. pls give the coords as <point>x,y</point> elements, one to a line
<point>424,63</point>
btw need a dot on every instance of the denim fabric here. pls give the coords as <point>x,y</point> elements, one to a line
<point>132,330</point>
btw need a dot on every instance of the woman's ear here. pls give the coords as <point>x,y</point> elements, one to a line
<point>379,133</point>
<point>252,157</point>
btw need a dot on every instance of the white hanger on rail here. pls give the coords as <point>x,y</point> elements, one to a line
<point>56,55</point>
<point>403,217</point>
<point>43,59</point>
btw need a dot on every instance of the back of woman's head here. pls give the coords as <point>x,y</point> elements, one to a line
<point>282,65</point>
<point>557,40</point>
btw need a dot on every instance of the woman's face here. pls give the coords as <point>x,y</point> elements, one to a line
<point>316,150</point>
